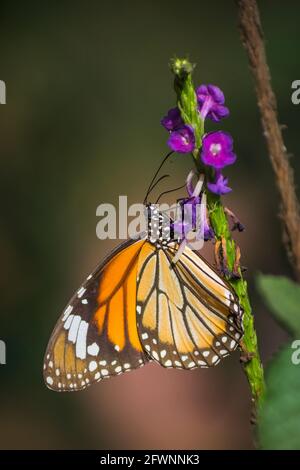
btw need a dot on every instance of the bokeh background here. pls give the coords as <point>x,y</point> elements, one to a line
<point>87,84</point>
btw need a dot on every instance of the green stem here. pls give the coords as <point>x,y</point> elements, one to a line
<point>187,103</point>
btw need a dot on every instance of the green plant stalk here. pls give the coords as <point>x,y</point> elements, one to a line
<point>187,103</point>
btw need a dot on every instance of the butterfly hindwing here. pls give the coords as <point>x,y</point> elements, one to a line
<point>96,336</point>
<point>189,317</point>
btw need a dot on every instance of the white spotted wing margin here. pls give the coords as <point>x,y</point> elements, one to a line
<point>189,316</point>
<point>77,354</point>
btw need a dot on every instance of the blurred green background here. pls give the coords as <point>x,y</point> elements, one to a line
<point>87,84</point>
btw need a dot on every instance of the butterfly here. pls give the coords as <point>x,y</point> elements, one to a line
<point>140,306</point>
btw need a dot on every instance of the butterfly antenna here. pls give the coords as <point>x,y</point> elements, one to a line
<point>169,191</point>
<point>155,175</point>
<point>156,183</point>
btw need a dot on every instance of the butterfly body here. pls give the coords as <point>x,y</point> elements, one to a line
<point>138,306</point>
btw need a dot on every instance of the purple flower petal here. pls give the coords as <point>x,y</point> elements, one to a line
<point>182,140</point>
<point>194,217</point>
<point>189,183</point>
<point>219,186</point>
<point>202,92</point>
<point>182,228</point>
<point>217,150</point>
<point>219,112</point>
<point>211,102</point>
<point>209,234</point>
<point>172,120</point>
<point>216,93</point>
<point>194,191</point>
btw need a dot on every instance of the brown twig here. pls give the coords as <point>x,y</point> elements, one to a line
<point>253,40</point>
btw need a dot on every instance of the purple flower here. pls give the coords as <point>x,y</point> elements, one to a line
<point>172,120</point>
<point>208,232</point>
<point>181,228</point>
<point>211,102</point>
<point>188,207</point>
<point>182,140</point>
<point>217,150</point>
<point>220,185</point>
<point>195,218</point>
<point>191,211</point>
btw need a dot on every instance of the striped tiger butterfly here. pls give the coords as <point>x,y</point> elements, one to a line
<point>140,306</point>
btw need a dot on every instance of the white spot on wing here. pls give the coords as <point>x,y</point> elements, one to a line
<point>81,292</point>
<point>138,309</point>
<point>67,312</point>
<point>202,363</point>
<point>74,328</point>
<point>93,349</point>
<point>68,322</point>
<point>92,366</point>
<point>81,340</point>
<point>49,380</point>
<point>155,355</point>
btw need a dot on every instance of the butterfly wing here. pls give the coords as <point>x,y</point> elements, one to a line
<point>96,336</point>
<point>189,316</point>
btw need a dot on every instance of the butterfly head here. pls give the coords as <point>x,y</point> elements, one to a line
<point>160,229</point>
